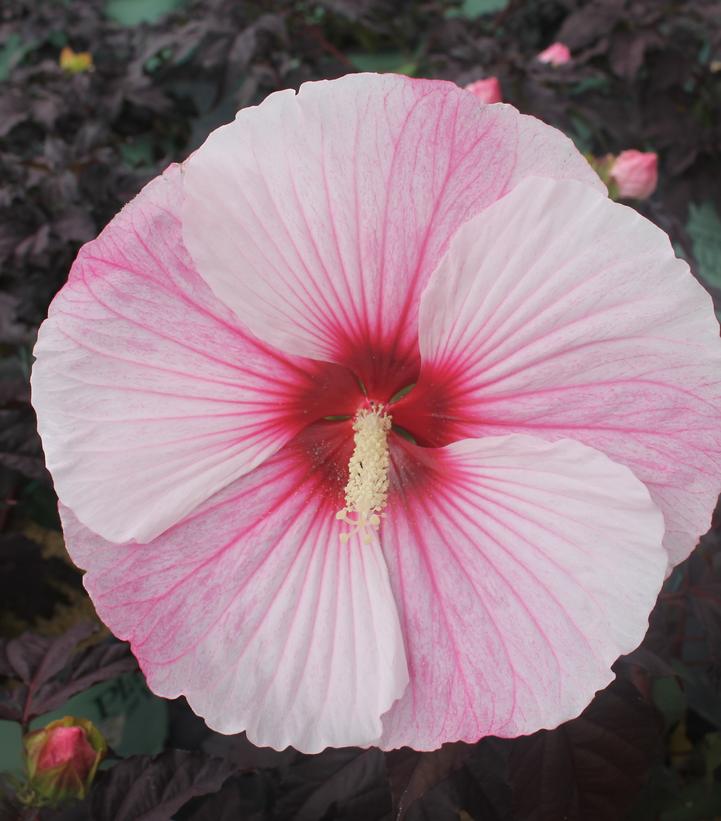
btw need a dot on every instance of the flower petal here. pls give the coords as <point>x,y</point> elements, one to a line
<point>318,217</point>
<point>254,609</point>
<point>559,313</point>
<point>522,570</point>
<point>150,395</point>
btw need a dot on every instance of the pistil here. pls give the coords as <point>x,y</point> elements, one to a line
<point>366,493</point>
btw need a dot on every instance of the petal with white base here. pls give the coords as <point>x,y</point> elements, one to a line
<point>522,569</point>
<point>256,610</point>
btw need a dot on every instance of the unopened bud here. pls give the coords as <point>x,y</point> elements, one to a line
<point>557,54</point>
<point>62,758</point>
<point>635,174</point>
<point>487,90</point>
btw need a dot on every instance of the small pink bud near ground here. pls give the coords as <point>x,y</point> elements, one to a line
<point>62,759</point>
<point>635,174</point>
<point>487,90</point>
<point>557,54</point>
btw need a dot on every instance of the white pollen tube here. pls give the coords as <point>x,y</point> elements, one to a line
<point>366,492</point>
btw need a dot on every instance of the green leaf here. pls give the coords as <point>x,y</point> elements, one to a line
<point>589,84</point>
<point>384,61</point>
<point>12,52</point>
<point>668,696</point>
<point>134,12</point>
<point>704,228</point>
<point>581,133</point>
<point>471,9</point>
<point>695,802</point>
<point>678,250</point>
<point>138,153</point>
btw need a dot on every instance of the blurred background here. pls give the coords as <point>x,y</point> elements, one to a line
<point>99,96</point>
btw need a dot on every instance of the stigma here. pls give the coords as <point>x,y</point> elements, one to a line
<point>366,493</point>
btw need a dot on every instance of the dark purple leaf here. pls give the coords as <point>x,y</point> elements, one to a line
<point>13,110</point>
<point>6,669</point>
<point>31,585</point>
<point>628,50</point>
<point>247,796</point>
<point>480,788</point>
<point>640,78</point>
<point>703,592</point>
<point>685,626</point>
<point>75,225</point>
<point>590,22</point>
<point>645,658</point>
<point>93,665</point>
<point>49,671</point>
<point>11,706</point>
<point>145,788</point>
<point>15,391</point>
<point>591,767</point>
<point>36,659</point>
<point>342,783</point>
<point>411,774</point>
<point>246,756</point>
<point>12,332</point>
<point>11,808</point>
<point>20,448</point>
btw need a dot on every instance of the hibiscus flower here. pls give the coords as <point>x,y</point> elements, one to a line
<point>376,422</point>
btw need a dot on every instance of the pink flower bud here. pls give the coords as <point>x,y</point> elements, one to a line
<point>557,54</point>
<point>635,174</point>
<point>62,758</point>
<point>487,90</point>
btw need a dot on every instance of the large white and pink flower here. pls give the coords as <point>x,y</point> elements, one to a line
<point>289,536</point>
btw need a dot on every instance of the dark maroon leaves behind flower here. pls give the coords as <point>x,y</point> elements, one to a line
<point>74,147</point>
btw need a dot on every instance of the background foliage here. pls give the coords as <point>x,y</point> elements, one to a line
<point>74,146</point>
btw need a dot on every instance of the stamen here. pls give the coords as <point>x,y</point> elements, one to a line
<point>366,493</point>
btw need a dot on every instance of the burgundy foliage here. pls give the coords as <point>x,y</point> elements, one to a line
<point>74,147</point>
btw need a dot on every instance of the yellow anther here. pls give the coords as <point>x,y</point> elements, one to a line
<point>366,493</point>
